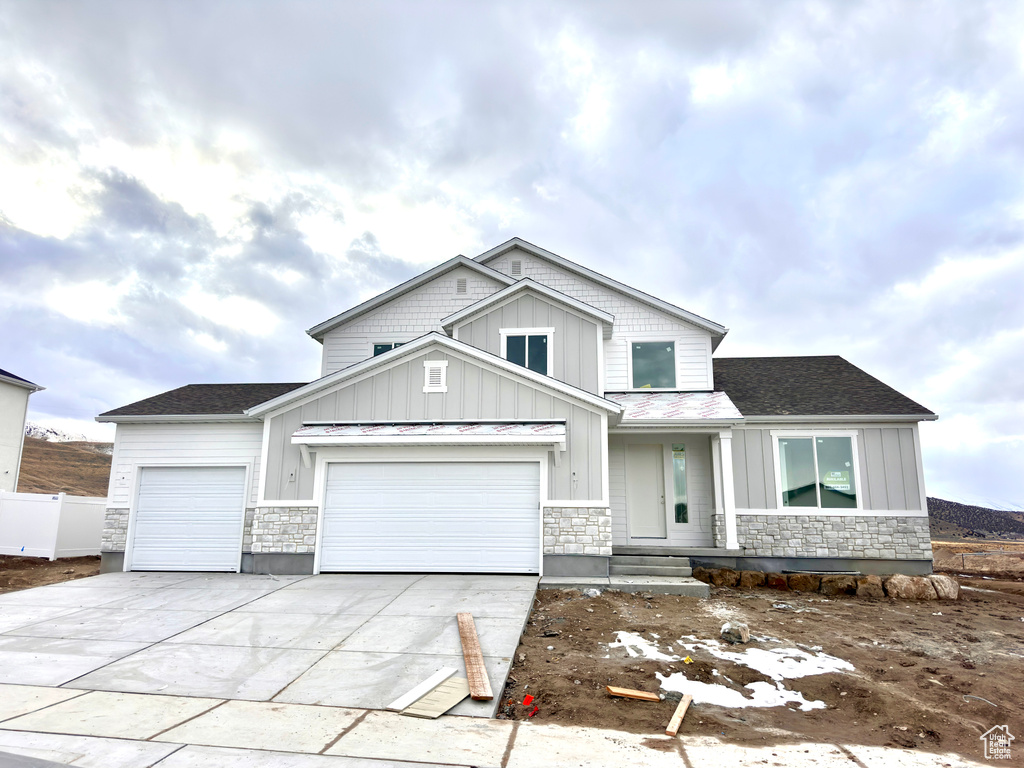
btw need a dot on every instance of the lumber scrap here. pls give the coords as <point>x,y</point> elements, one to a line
<point>419,691</point>
<point>479,684</point>
<point>677,716</point>
<point>630,693</point>
<point>440,699</point>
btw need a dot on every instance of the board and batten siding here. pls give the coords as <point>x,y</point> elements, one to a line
<point>474,392</point>
<point>406,318</point>
<point>200,444</point>
<point>575,339</point>
<point>634,321</point>
<point>887,460</point>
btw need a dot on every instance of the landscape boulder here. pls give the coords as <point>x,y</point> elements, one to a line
<point>838,584</point>
<point>910,588</point>
<point>804,582</point>
<point>735,632</point>
<point>946,587</point>
<point>700,573</point>
<point>724,577</point>
<point>870,586</point>
<point>751,579</point>
<point>776,581</point>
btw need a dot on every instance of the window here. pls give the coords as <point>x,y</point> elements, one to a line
<point>435,375</point>
<point>529,347</point>
<point>380,349</point>
<point>817,471</point>
<point>679,481</point>
<point>654,364</point>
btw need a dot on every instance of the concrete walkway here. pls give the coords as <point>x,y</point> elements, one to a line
<point>130,730</point>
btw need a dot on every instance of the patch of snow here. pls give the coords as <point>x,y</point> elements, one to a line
<point>51,435</point>
<point>636,646</point>
<point>762,694</point>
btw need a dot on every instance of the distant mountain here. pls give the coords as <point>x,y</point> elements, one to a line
<point>965,520</point>
<point>51,435</point>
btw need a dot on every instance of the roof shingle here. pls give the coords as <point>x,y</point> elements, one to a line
<point>204,400</point>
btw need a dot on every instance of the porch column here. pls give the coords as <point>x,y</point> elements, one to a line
<point>728,489</point>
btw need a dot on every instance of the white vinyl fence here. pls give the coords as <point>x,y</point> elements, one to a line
<point>50,525</point>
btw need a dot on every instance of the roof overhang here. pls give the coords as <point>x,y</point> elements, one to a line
<point>480,432</point>
<point>318,331</point>
<point>858,419</point>
<point>177,418</point>
<point>717,331</point>
<point>526,285</point>
<point>23,383</point>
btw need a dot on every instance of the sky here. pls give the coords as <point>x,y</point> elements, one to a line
<point>185,188</point>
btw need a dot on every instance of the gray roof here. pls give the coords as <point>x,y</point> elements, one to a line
<point>808,386</point>
<point>19,380</point>
<point>204,400</point>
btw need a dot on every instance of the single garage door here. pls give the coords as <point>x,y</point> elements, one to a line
<point>455,517</point>
<point>189,519</point>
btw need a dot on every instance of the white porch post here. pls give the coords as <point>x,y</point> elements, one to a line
<point>728,489</point>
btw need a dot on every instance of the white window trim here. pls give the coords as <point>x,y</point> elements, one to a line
<point>777,433</point>
<point>504,333</point>
<point>629,364</point>
<point>435,365</point>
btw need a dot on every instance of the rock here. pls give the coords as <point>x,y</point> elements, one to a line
<point>776,581</point>
<point>700,573</point>
<point>591,593</point>
<point>724,577</point>
<point>735,632</point>
<point>804,582</point>
<point>751,579</point>
<point>838,584</point>
<point>910,588</point>
<point>946,587</point>
<point>870,586</point>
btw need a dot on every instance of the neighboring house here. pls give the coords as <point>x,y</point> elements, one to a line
<point>14,392</point>
<point>518,412</point>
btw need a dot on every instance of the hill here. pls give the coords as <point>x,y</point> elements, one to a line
<point>77,468</point>
<point>950,518</point>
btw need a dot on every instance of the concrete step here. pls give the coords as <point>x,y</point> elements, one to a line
<point>683,562</point>
<point>686,586</point>
<point>615,569</point>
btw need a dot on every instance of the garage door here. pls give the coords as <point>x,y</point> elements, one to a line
<point>189,519</point>
<point>455,517</point>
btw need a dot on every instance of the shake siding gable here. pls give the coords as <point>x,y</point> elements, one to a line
<point>404,319</point>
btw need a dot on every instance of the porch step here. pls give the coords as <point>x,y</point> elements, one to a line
<point>687,586</point>
<point>649,565</point>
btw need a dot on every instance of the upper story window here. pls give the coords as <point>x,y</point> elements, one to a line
<point>380,349</point>
<point>531,348</point>
<point>653,364</point>
<point>817,470</point>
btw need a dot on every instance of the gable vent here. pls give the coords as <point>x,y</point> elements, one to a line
<point>516,268</point>
<point>460,285</point>
<point>435,375</point>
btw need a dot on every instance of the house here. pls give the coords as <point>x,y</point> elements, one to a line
<point>518,412</point>
<point>14,392</point>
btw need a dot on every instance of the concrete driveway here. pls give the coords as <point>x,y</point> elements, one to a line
<point>340,640</point>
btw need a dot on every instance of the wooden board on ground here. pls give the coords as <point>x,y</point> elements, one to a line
<point>421,690</point>
<point>441,699</point>
<point>630,693</point>
<point>677,716</point>
<point>479,684</point>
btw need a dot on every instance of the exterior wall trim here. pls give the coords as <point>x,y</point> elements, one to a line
<point>819,512</point>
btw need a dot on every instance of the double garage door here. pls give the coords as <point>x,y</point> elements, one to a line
<point>418,517</point>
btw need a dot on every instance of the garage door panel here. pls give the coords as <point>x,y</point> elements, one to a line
<point>471,517</point>
<point>189,518</point>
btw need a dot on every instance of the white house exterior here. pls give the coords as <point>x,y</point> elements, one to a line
<point>518,412</point>
<point>14,392</point>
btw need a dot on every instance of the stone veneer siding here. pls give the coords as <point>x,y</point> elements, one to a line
<point>577,531</point>
<point>115,531</point>
<point>284,529</point>
<point>890,538</point>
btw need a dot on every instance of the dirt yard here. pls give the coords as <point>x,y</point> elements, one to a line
<point>24,572</point>
<point>912,664</point>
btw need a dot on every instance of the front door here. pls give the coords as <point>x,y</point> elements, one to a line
<point>645,491</point>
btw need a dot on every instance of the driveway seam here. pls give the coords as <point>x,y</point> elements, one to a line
<point>32,712</point>
<point>511,742</point>
<point>186,720</point>
<point>337,738</point>
<point>172,752</point>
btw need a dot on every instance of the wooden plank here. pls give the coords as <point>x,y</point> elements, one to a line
<point>677,716</point>
<point>440,700</point>
<point>629,693</point>
<point>421,690</point>
<point>479,684</point>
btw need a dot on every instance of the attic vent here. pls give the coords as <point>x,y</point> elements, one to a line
<point>460,285</point>
<point>435,377</point>
<point>516,268</point>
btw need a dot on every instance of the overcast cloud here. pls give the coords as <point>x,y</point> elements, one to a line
<point>186,187</point>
